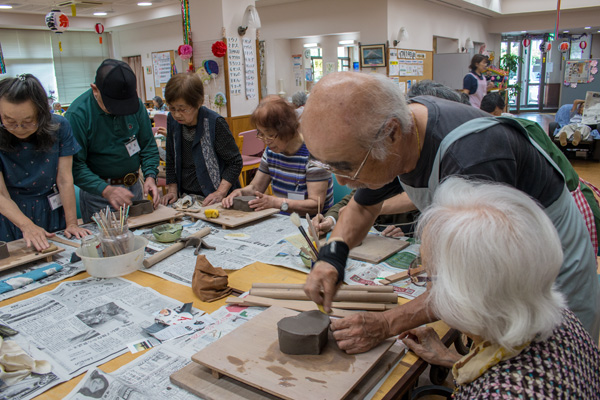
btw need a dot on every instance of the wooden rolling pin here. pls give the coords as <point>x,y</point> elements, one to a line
<point>341,295</point>
<point>172,249</point>
<point>364,288</point>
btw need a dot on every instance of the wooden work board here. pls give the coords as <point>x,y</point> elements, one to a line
<point>160,214</point>
<point>21,254</point>
<point>375,248</point>
<point>250,354</point>
<point>230,218</point>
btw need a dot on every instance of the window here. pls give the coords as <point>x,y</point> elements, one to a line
<point>29,52</point>
<point>76,65</point>
<point>317,63</point>
<point>343,58</point>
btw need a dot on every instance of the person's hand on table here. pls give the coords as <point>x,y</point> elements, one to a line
<point>76,231</point>
<point>228,201</point>
<point>36,236</point>
<point>168,199</point>
<point>162,131</point>
<point>320,285</point>
<point>117,196</point>
<point>264,201</point>
<point>392,231</point>
<point>426,344</point>
<point>214,197</point>
<point>150,187</point>
<point>322,224</point>
<point>360,332</point>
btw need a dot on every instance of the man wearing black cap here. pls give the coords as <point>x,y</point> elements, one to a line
<point>114,131</point>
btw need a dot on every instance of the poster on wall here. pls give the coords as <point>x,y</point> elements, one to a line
<point>249,68</point>
<point>577,72</point>
<point>162,67</point>
<point>591,108</point>
<point>234,61</point>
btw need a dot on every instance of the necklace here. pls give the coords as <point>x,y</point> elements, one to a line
<point>417,130</point>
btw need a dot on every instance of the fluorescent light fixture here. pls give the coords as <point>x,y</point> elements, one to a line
<point>345,42</point>
<point>523,31</point>
<point>311,44</point>
<point>5,6</point>
<point>144,4</point>
<point>100,14</point>
<point>565,31</point>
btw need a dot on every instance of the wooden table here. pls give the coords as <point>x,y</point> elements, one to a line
<point>400,381</point>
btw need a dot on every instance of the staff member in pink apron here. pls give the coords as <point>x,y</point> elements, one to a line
<point>474,83</point>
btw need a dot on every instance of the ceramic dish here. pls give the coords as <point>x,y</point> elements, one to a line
<point>167,233</point>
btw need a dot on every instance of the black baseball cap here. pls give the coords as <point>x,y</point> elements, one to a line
<point>117,85</point>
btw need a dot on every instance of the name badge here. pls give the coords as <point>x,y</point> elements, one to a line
<point>55,201</point>
<point>133,147</point>
<point>296,195</point>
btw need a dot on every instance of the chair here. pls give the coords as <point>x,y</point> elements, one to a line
<point>252,148</point>
<point>160,120</point>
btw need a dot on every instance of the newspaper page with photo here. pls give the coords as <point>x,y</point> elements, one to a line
<point>591,108</point>
<point>82,324</point>
<point>147,377</point>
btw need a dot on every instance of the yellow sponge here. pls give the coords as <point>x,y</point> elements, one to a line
<point>211,213</point>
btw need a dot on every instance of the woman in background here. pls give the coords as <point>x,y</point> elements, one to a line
<point>158,104</point>
<point>474,83</point>
<point>36,155</point>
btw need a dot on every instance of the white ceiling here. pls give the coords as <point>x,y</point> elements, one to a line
<point>84,8</point>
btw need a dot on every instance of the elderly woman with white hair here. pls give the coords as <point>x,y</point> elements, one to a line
<point>492,256</point>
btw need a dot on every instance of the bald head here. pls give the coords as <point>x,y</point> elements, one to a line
<point>352,107</point>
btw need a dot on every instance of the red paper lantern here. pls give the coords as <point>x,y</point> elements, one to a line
<point>526,42</point>
<point>564,47</point>
<point>582,45</point>
<point>219,48</point>
<point>548,46</point>
<point>99,28</point>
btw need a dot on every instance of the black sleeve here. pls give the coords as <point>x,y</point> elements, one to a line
<point>227,150</point>
<point>170,150</point>
<point>369,197</point>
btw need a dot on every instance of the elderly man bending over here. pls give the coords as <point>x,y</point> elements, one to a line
<point>360,127</point>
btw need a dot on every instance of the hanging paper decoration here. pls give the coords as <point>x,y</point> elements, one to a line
<point>99,28</point>
<point>73,10</point>
<point>219,48</point>
<point>220,100</point>
<point>582,46</point>
<point>548,46</point>
<point>57,21</point>
<point>2,65</point>
<point>543,47</point>
<point>185,15</point>
<point>212,68</point>
<point>564,47</point>
<point>526,42</point>
<point>185,52</point>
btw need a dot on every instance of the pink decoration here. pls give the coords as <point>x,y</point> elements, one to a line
<point>185,51</point>
<point>219,48</point>
<point>594,70</point>
<point>573,85</point>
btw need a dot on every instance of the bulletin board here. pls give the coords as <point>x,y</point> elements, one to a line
<point>162,64</point>
<point>407,67</point>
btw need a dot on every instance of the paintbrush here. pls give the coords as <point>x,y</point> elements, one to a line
<point>313,232</point>
<point>296,221</point>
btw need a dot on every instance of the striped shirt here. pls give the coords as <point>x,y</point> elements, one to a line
<point>290,174</point>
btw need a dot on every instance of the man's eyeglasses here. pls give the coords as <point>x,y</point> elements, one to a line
<point>26,126</point>
<point>265,138</point>
<point>415,271</point>
<point>331,169</point>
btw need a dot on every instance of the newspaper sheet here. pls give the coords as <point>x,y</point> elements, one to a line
<point>147,377</point>
<point>82,324</point>
<point>64,258</point>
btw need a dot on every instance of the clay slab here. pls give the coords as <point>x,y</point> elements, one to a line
<point>305,333</point>
<point>240,203</point>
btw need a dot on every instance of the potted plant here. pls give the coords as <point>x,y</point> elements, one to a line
<point>510,63</point>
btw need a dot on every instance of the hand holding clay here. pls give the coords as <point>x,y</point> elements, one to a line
<point>361,332</point>
<point>264,201</point>
<point>425,343</point>
<point>320,284</point>
<point>228,201</point>
<point>36,236</point>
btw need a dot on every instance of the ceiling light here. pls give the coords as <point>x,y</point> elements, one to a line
<point>345,42</point>
<point>523,31</point>
<point>311,44</point>
<point>100,14</point>
<point>565,31</point>
<point>144,4</point>
<point>5,6</point>
<point>588,27</point>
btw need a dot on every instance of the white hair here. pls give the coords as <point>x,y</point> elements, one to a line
<point>493,255</point>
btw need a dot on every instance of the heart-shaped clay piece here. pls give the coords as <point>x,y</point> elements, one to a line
<point>305,333</point>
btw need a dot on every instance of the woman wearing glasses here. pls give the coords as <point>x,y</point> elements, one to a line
<point>36,154</point>
<point>298,185</point>
<point>202,156</point>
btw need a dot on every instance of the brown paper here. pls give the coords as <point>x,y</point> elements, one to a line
<point>209,283</point>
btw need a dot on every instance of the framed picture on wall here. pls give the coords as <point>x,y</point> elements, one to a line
<point>372,55</point>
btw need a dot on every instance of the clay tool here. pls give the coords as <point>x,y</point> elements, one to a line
<point>313,232</point>
<point>296,221</point>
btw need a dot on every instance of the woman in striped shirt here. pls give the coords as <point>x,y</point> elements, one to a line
<point>297,186</point>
